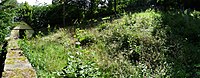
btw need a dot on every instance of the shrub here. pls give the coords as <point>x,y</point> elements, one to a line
<point>85,38</point>
<point>77,67</point>
<point>130,39</point>
<point>7,14</point>
<point>181,41</point>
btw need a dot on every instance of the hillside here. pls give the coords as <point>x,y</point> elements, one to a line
<point>102,38</point>
<point>136,45</point>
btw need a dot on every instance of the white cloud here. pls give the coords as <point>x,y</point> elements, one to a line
<point>35,2</point>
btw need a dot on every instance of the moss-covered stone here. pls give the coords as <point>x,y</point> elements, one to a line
<point>16,64</point>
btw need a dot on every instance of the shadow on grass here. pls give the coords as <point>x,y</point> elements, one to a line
<point>3,57</point>
<point>182,35</point>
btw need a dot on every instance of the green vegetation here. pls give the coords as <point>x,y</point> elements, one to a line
<point>145,44</point>
<point>7,13</point>
<point>143,38</point>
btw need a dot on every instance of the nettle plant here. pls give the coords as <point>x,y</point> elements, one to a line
<point>79,67</point>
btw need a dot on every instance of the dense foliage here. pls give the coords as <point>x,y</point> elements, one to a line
<point>7,14</point>
<point>63,13</point>
<point>147,44</point>
<point>182,38</point>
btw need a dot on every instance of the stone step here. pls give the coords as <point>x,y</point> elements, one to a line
<point>10,67</point>
<point>14,54</point>
<point>15,60</point>
<point>16,64</point>
<point>19,73</point>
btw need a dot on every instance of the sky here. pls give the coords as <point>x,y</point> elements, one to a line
<point>35,2</point>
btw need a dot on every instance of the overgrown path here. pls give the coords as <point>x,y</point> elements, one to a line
<point>16,64</point>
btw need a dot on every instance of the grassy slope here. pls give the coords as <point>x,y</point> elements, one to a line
<point>136,45</point>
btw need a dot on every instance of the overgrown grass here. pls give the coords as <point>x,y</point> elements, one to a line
<point>137,45</point>
<point>46,54</point>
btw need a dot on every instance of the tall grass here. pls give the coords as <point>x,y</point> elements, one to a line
<point>137,45</point>
<point>46,54</point>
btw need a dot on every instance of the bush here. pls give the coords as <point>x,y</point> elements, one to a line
<point>85,38</point>
<point>130,39</point>
<point>38,17</point>
<point>182,40</point>
<point>7,14</point>
<point>77,67</point>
